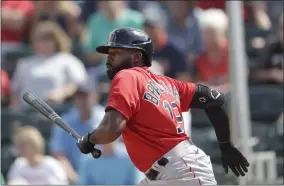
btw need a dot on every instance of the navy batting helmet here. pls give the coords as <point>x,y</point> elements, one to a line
<point>129,38</point>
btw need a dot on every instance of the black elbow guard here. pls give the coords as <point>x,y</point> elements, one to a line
<point>206,97</point>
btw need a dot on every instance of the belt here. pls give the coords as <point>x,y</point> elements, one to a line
<point>152,174</point>
<point>178,150</point>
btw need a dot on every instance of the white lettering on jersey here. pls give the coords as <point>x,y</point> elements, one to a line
<point>155,90</point>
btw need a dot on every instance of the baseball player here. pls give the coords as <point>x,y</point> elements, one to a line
<point>146,110</point>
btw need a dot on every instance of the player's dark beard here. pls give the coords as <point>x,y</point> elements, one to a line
<point>125,64</point>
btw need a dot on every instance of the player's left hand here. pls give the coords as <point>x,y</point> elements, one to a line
<point>232,158</point>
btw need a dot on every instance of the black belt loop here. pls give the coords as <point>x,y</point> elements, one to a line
<point>163,161</point>
<point>152,174</point>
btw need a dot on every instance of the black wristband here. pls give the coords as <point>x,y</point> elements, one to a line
<point>225,145</point>
<point>89,135</point>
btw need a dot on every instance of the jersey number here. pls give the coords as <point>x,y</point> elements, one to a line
<point>174,113</point>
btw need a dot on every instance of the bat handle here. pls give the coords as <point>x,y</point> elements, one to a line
<point>96,153</point>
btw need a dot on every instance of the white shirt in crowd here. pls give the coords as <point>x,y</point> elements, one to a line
<point>40,75</point>
<point>49,172</point>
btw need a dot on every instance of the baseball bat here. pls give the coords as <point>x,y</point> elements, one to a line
<point>50,114</point>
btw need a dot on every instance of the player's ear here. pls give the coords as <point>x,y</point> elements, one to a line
<point>137,55</point>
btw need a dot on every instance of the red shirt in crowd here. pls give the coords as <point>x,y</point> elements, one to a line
<point>27,8</point>
<point>152,104</point>
<point>212,4</point>
<point>208,71</point>
<point>217,4</point>
<point>5,83</point>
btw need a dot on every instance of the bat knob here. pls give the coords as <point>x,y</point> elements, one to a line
<point>96,153</point>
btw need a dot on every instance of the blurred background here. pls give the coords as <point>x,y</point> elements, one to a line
<point>48,48</point>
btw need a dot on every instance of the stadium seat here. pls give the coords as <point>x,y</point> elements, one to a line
<point>260,130</point>
<point>7,158</point>
<point>269,139</point>
<point>9,120</point>
<point>251,32</point>
<point>199,119</point>
<point>280,165</point>
<point>59,109</point>
<point>275,141</point>
<point>44,126</point>
<point>266,102</point>
<point>10,59</point>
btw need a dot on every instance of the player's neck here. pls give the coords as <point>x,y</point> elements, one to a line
<point>139,64</point>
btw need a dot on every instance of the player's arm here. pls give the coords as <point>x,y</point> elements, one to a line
<point>212,101</point>
<point>122,104</point>
<point>110,128</point>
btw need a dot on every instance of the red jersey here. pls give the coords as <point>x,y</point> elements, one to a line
<point>152,104</point>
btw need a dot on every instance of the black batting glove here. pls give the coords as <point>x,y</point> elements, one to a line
<point>85,145</point>
<point>232,158</point>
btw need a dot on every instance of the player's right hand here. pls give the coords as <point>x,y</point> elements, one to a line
<point>232,158</point>
<point>85,145</point>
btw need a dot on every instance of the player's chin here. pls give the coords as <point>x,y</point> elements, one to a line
<point>110,74</point>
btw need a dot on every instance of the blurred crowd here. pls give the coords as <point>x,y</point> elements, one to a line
<point>48,48</point>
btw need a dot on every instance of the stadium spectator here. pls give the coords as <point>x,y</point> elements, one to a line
<point>88,8</point>
<point>212,66</point>
<point>220,4</point>
<point>32,167</point>
<point>67,15</point>
<point>257,28</point>
<point>274,10</point>
<point>166,53</point>
<point>259,14</point>
<point>271,68</point>
<point>52,73</point>
<point>15,19</point>
<point>83,117</point>
<point>5,88</point>
<point>155,9</point>
<point>115,167</point>
<point>110,15</point>
<point>183,28</point>
<point>15,25</point>
<point>64,13</point>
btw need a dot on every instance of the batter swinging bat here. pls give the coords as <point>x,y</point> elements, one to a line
<point>50,114</point>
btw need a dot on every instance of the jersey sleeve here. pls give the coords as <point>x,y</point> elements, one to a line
<point>124,94</point>
<point>186,92</point>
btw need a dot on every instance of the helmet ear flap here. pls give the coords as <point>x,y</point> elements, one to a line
<point>146,59</point>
